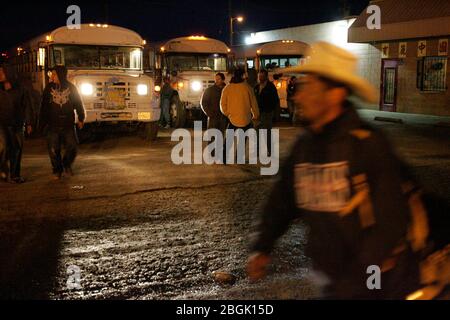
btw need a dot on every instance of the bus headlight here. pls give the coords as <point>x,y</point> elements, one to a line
<point>196,86</point>
<point>157,89</point>
<point>87,89</point>
<point>142,89</point>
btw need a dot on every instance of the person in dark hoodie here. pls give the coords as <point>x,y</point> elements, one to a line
<point>167,93</point>
<point>268,101</point>
<point>210,104</point>
<point>15,113</point>
<point>59,101</point>
<point>343,179</point>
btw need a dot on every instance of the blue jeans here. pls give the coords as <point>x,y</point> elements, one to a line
<point>58,138</point>
<point>3,154</point>
<point>267,123</point>
<point>11,146</point>
<point>165,112</point>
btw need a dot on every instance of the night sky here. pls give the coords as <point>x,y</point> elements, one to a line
<point>164,19</point>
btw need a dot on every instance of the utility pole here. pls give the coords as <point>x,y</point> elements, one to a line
<point>345,8</point>
<point>106,10</point>
<point>230,19</point>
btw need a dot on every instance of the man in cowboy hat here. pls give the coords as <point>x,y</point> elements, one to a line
<point>343,179</point>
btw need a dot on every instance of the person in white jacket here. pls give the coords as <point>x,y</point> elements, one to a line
<point>238,103</point>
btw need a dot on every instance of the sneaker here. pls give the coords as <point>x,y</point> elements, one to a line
<point>18,180</point>
<point>56,176</point>
<point>68,172</point>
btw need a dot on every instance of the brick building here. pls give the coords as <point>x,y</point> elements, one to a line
<point>407,59</point>
<point>410,56</point>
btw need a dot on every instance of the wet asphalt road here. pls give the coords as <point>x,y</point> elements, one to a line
<point>139,227</point>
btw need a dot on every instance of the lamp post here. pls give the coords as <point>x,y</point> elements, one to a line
<point>238,19</point>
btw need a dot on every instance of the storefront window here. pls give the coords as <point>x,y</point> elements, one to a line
<point>432,74</point>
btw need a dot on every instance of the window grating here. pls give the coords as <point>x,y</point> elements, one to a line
<point>432,74</point>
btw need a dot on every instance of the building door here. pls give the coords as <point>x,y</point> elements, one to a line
<point>389,78</point>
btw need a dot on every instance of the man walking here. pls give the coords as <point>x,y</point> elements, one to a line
<point>15,113</point>
<point>60,100</point>
<point>268,101</point>
<point>210,103</point>
<point>345,182</point>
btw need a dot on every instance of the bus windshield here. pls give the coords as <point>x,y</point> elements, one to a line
<point>279,62</point>
<point>190,62</point>
<point>97,57</point>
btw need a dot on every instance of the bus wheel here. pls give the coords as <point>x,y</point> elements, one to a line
<point>151,131</point>
<point>177,113</point>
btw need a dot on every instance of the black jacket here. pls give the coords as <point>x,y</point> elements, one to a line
<point>268,99</point>
<point>290,91</point>
<point>167,92</point>
<point>58,106</point>
<point>319,182</point>
<point>210,101</point>
<point>15,107</point>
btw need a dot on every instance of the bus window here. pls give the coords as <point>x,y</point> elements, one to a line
<point>75,56</point>
<point>293,61</point>
<point>93,57</point>
<point>215,63</point>
<point>197,63</point>
<point>204,64</point>
<point>120,58</point>
<point>271,63</point>
<point>58,57</point>
<point>183,63</point>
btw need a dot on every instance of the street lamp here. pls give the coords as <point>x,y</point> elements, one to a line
<point>239,19</point>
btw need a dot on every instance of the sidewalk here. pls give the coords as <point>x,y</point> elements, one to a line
<point>406,118</point>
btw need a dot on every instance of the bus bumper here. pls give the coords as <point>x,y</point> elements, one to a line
<point>116,116</point>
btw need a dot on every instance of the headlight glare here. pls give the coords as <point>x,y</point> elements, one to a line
<point>87,89</point>
<point>142,89</point>
<point>196,86</point>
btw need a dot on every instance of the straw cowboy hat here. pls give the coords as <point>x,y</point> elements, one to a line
<point>332,62</point>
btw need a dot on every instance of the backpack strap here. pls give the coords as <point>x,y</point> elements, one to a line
<point>419,229</point>
<point>361,200</point>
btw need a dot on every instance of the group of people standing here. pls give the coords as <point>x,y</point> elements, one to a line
<point>238,105</point>
<point>57,117</point>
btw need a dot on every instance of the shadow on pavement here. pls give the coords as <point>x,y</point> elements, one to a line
<point>30,245</point>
